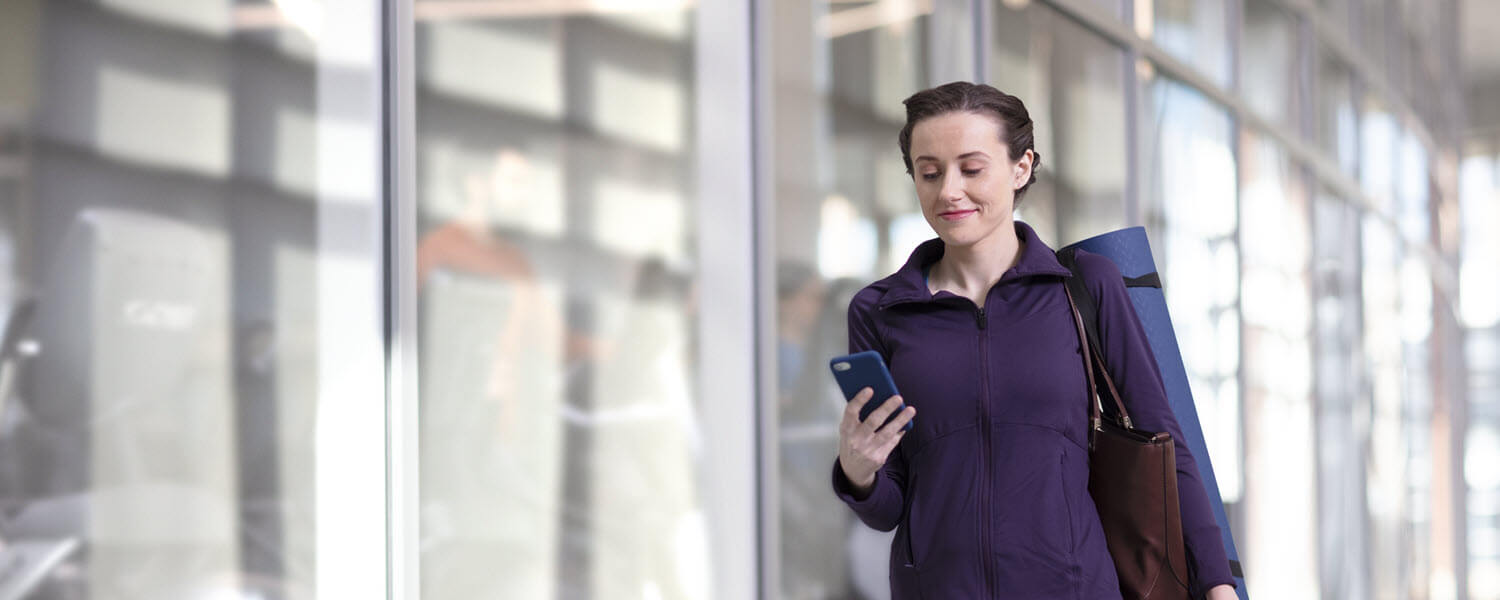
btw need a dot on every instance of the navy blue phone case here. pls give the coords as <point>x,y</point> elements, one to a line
<point>867,370</point>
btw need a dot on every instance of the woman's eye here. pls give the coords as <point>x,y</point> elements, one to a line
<point>972,172</point>
<point>930,176</point>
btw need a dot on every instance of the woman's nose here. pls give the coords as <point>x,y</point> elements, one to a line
<point>953,186</point>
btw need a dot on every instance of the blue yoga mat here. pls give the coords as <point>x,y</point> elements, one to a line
<point>1131,252</point>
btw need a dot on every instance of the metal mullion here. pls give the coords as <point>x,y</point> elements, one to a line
<point>1379,81</point>
<point>763,213</point>
<point>1304,151</point>
<point>1234,27</point>
<point>398,128</point>
<point>983,14</point>
<point>727,321</point>
<point>1132,95</point>
<point>1234,17</point>
<point>1338,42</point>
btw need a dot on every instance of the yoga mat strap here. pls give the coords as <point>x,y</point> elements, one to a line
<point>1148,280</point>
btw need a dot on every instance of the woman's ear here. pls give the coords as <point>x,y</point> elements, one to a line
<point>1023,171</point>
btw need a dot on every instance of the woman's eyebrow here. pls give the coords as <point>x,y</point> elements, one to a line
<point>960,157</point>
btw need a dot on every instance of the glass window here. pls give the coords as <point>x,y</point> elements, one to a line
<point>1371,31</point>
<point>1111,8</point>
<point>1337,13</point>
<point>1479,201</point>
<point>1338,134</point>
<point>1189,200</point>
<point>1072,82</point>
<point>1481,446</point>
<point>846,214</point>
<point>1195,32</point>
<point>559,437</point>
<point>1386,472</point>
<point>1343,431</point>
<point>1271,72</point>
<point>1379,136</point>
<point>1280,525</point>
<point>190,367</point>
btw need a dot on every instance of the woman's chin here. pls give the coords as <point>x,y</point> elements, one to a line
<point>963,234</point>
<point>958,236</point>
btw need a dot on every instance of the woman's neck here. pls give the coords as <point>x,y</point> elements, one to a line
<point>971,271</point>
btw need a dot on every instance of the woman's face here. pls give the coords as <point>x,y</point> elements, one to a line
<point>965,179</point>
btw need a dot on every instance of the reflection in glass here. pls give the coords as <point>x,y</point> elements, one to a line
<point>1269,76</point>
<point>1336,118</point>
<point>1192,31</point>
<point>846,214</point>
<point>1189,200</point>
<point>1280,481</point>
<point>1337,13</point>
<point>1479,303</point>
<point>1370,29</point>
<point>1379,135</point>
<point>1479,201</point>
<point>1343,433</point>
<point>185,190</point>
<point>560,443</point>
<point>1073,85</point>
<point>1386,470</point>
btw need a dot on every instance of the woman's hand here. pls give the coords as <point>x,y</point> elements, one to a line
<point>862,447</point>
<point>1222,592</point>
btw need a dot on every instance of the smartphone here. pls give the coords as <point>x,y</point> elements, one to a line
<point>867,370</point>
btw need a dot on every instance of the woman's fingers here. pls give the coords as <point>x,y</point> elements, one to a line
<point>889,445</point>
<point>882,413</point>
<point>851,410</point>
<point>865,445</point>
<point>891,428</point>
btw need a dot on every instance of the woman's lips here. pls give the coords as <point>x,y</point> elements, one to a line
<point>956,215</point>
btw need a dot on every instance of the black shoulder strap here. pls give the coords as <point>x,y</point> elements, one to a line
<point>1088,306</point>
<point>1148,280</point>
<point>1088,311</point>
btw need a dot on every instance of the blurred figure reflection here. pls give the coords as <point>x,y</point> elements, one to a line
<point>491,364</point>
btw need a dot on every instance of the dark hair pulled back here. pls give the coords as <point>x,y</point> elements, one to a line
<point>962,96</point>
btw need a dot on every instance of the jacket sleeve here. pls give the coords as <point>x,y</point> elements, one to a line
<point>1128,357</point>
<point>882,509</point>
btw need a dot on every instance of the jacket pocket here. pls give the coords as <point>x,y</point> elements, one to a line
<point>904,534</point>
<point>910,559</point>
<point>1062,479</point>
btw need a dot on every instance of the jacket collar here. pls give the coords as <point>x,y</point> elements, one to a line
<point>908,284</point>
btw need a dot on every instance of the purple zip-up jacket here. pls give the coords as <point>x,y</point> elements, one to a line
<point>989,491</point>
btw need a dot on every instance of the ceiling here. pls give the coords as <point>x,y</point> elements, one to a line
<point>1479,31</point>
<point>1479,48</point>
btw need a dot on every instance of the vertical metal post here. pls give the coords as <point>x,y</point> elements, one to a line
<point>726,323</point>
<point>983,14</point>
<point>403,492</point>
<point>763,203</point>
<point>1132,93</point>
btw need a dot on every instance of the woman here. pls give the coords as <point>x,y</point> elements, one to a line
<point>990,489</point>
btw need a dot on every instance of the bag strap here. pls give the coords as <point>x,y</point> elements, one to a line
<point>1093,358</point>
<point>1084,300</point>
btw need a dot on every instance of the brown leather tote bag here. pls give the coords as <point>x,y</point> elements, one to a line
<point>1133,479</point>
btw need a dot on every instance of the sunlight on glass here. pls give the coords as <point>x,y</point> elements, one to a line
<point>204,16</point>
<point>640,108</point>
<point>639,219</point>
<point>460,59</point>
<point>164,121</point>
<point>1481,449</point>
<point>1479,288</point>
<point>846,240</point>
<point>1416,300</point>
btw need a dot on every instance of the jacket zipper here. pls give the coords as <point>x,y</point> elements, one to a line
<point>984,454</point>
